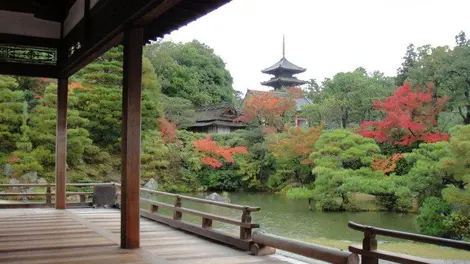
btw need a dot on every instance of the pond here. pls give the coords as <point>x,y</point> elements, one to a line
<point>291,218</point>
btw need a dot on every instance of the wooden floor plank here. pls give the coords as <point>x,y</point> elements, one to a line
<point>60,253</point>
<point>39,236</point>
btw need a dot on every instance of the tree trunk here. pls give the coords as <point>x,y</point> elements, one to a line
<point>344,119</point>
<point>466,120</point>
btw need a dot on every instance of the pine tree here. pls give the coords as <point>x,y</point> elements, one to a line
<point>81,153</point>
<point>23,159</point>
<point>409,60</point>
<point>11,110</point>
<point>100,101</point>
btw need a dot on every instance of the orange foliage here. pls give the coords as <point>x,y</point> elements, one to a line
<point>268,108</point>
<point>213,153</point>
<point>167,131</point>
<point>387,165</point>
<point>13,158</point>
<point>267,130</point>
<point>74,86</point>
<point>295,92</point>
<point>297,145</point>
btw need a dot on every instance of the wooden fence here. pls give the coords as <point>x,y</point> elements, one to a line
<point>371,255</point>
<point>46,195</point>
<point>243,241</point>
<point>257,242</point>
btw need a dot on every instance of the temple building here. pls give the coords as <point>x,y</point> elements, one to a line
<point>283,72</point>
<point>216,119</point>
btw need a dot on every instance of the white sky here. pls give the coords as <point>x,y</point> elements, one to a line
<point>324,36</point>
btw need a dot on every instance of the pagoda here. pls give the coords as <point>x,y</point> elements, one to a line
<point>283,72</point>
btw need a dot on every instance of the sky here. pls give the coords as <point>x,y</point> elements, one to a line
<point>324,36</point>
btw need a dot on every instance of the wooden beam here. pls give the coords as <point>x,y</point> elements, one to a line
<point>157,11</point>
<point>102,28</point>
<point>130,138</point>
<point>29,40</point>
<point>108,18</point>
<point>61,144</point>
<point>32,70</point>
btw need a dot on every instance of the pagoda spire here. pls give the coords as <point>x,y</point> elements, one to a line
<point>283,72</point>
<point>283,46</point>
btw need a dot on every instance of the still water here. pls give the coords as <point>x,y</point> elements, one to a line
<point>291,218</point>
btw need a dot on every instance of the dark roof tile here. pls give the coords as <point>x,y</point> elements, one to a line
<point>283,64</point>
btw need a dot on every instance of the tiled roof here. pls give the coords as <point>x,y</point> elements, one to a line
<point>290,81</point>
<point>284,64</point>
<point>219,112</point>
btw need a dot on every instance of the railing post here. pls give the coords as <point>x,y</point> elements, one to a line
<point>154,209</point>
<point>206,223</point>
<point>369,243</point>
<point>82,198</point>
<point>245,233</point>
<point>176,214</point>
<point>48,195</point>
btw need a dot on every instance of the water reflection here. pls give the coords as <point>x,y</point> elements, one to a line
<point>292,218</point>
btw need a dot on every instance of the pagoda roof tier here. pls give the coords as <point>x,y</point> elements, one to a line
<point>283,82</point>
<point>283,65</point>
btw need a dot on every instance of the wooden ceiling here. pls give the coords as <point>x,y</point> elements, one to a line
<point>101,28</point>
<point>52,10</point>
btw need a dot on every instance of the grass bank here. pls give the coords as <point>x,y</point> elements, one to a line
<point>409,248</point>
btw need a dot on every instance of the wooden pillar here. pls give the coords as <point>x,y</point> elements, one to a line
<point>369,243</point>
<point>61,144</point>
<point>130,138</point>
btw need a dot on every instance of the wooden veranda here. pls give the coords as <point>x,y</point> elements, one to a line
<point>56,38</point>
<point>93,236</point>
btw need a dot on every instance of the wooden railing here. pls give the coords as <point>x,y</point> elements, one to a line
<point>243,241</point>
<point>257,242</point>
<point>47,195</point>
<point>371,255</point>
<point>331,255</point>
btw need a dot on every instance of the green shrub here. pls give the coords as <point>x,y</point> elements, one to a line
<point>456,196</point>
<point>220,179</point>
<point>432,218</point>
<point>300,193</point>
<point>279,179</point>
<point>425,176</point>
<point>404,199</point>
<point>331,204</point>
<point>459,225</point>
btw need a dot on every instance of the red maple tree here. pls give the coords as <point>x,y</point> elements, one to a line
<point>269,108</point>
<point>410,116</point>
<point>212,153</point>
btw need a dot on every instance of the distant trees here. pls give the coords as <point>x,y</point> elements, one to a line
<point>191,71</point>
<point>448,69</point>
<point>345,100</point>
